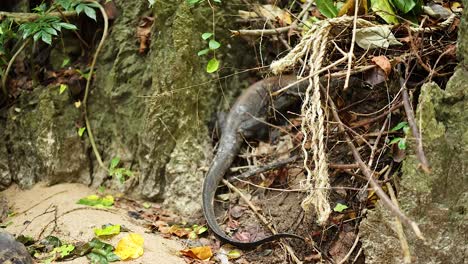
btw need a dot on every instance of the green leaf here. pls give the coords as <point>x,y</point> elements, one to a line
<point>108,230</point>
<point>203,52</point>
<point>65,62</point>
<point>384,9</point>
<point>212,65</point>
<point>51,31</point>
<point>95,200</point>
<point>395,140</point>
<point>213,44</point>
<point>151,3</point>
<point>37,36</point>
<point>402,144</point>
<point>340,207</point>
<point>406,130</point>
<point>206,35</point>
<point>192,2</point>
<point>234,254</point>
<point>101,253</point>
<point>327,8</point>
<point>404,5</point>
<point>66,4</point>
<point>64,250</point>
<point>46,37</point>
<point>62,88</point>
<point>79,8</point>
<point>90,12</point>
<point>68,26</point>
<point>146,205</point>
<point>81,131</point>
<point>114,162</point>
<point>399,126</point>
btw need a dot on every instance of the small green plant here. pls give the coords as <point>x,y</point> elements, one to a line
<point>401,141</point>
<point>120,173</point>
<point>339,207</point>
<point>213,45</point>
<point>6,34</point>
<point>81,131</point>
<point>79,6</point>
<point>213,64</point>
<point>44,28</point>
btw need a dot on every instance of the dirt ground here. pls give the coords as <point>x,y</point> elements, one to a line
<point>76,222</point>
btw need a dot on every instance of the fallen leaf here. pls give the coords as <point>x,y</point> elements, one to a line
<point>340,207</point>
<point>108,230</point>
<point>144,33</point>
<point>201,253</point>
<point>341,246</point>
<point>130,247</point>
<point>272,12</point>
<point>375,37</point>
<point>383,62</point>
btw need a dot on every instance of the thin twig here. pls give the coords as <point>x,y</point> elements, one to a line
<point>88,84</point>
<point>398,226</point>
<point>265,222</point>
<point>383,115</point>
<point>10,63</point>
<point>424,164</point>
<point>26,17</point>
<point>262,32</point>
<point>351,48</point>
<point>368,173</point>
<point>268,167</point>
<point>38,203</point>
<point>376,143</point>
<point>352,248</point>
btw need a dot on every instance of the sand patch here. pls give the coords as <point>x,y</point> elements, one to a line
<point>37,208</point>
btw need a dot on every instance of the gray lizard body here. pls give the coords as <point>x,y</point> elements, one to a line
<point>241,122</point>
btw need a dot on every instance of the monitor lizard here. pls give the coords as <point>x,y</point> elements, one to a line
<point>242,122</point>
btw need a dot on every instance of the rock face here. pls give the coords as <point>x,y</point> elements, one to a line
<point>438,201</point>
<point>13,252</point>
<point>150,110</point>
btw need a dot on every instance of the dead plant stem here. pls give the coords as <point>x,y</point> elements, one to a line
<point>88,84</point>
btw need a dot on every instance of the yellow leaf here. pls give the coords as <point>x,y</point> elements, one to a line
<point>201,253</point>
<point>130,247</point>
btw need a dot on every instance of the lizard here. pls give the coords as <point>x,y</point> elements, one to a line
<point>241,122</point>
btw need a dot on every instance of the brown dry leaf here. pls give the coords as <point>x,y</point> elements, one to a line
<point>272,12</point>
<point>144,33</point>
<point>384,63</point>
<point>348,8</point>
<point>111,10</point>
<point>342,245</point>
<point>201,253</point>
<point>175,230</point>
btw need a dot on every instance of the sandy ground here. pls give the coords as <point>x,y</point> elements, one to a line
<point>78,224</point>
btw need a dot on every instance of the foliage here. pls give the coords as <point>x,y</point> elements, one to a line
<point>101,253</point>
<point>120,173</point>
<point>389,10</point>
<point>130,247</point>
<point>79,6</point>
<point>399,140</point>
<point>327,8</point>
<point>6,34</point>
<point>97,201</point>
<point>213,64</point>
<point>107,230</point>
<point>340,207</point>
<point>44,28</point>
